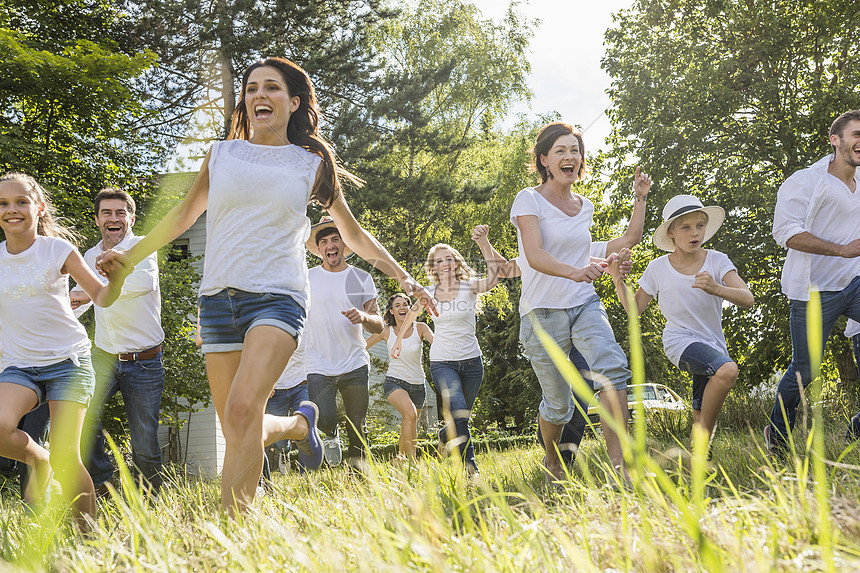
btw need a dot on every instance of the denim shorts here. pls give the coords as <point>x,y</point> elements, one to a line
<point>702,361</point>
<point>227,316</point>
<point>59,381</point>
<point>415,391</point>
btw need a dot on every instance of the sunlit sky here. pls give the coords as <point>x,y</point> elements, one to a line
<point>565,57</point>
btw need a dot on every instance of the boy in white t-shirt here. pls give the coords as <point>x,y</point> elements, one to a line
<point>690,285</point>
<point>342,302</point>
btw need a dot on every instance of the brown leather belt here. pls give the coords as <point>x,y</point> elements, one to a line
<point>142,355</point>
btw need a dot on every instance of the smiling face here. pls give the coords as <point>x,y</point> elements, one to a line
<point>444,264</point>
<point>398,308</point>
<point>564,159</point>
<point>688,231</point>
<point>114,221</point>
<point>19,211</point>
<point>331,248</point>
<point>268,102</point>
<point>847,143</point>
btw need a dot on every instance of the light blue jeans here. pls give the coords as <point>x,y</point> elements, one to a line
<point>585,327</point>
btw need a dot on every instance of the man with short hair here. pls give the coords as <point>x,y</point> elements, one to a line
<point>816,216</point>
<point>127,350</point>
<point>342,302</point>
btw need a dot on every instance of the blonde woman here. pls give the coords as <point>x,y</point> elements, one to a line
<point>455,357</point>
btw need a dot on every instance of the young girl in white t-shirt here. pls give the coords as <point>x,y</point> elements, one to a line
<point>404,380</point>
<point>456,364</point>
<point>690,285</point>
<point>45,350</point>
<point>255,188</point>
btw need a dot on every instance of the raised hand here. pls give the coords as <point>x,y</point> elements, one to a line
<point>481,233</point>
<point>706,282</point>
<point>641,185</point>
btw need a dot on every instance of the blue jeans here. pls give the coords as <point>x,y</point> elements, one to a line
<point>458,381</point>
<point>282,403</point>
<point>355,392</point>
<point>585,327</point>
<point>799,374</point>
<point>573,432</point>
<point>140,382</point>
<point>416,392</point>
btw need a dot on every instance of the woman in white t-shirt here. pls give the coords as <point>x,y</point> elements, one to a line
<point>45,350</point>
<point>404,380</point>
<point>455,358</point>
<point>255,188</point>
<point>690,285</point>
<point>553,233</point>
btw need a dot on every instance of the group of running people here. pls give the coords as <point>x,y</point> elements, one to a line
<point>256,295</point>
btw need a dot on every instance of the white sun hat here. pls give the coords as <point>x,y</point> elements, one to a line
<point>681,205</point>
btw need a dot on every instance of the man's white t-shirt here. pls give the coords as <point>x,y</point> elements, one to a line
<point>566,238</point>
<point>692,315</point>
<point>333,344</point>
<point>295,372</point>
<point>39,327</point>
<point>852,329</point>
<point>454,329</point>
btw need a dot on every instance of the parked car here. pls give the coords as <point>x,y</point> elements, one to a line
<point>654,397</point>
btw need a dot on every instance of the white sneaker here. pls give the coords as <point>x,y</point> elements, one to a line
<point>332,451</point>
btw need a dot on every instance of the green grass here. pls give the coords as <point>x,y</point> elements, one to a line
<point>748,516</point>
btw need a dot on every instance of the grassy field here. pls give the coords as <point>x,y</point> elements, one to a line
<point>739,513</point>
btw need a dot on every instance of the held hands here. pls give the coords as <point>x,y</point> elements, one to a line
<point>113,263</point>
<point>620,264</point>
<point>641,185</point>
<point>481,234</point>
<point>706,282</point>
<point>78,297</point>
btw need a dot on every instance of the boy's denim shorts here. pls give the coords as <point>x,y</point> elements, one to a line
<point>227,316</point>
<point>62,380</point>
<point>702,361</point>
<point>416,391</point>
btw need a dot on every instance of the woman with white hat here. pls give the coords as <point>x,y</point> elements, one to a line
<point>690,285</point>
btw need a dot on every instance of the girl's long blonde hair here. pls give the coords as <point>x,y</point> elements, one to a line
<point>50,225</point>
<point>463,272</point>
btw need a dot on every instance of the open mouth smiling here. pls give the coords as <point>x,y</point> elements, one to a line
<point>262,111</point>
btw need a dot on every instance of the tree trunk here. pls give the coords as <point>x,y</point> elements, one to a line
<point>228,73</point>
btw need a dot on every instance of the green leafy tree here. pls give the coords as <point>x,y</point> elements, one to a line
<point>725,100</point>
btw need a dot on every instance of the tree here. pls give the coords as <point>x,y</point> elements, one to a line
<point>447,76</point>
<point>725,100</point>
<point>203,47</point>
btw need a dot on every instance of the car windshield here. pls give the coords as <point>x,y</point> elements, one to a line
<point>648,393</point>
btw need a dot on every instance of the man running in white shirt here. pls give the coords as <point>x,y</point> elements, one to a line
<point>127,351</point>
<point>816,216</point>
<point>342,302</point>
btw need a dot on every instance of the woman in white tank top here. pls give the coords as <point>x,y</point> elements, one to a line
<point>256,187</point>
<point>404,381</point>
<point>455,357</point>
